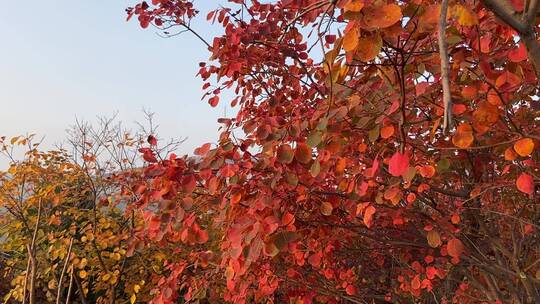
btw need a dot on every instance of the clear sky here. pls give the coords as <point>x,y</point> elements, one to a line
<point>78,58</point>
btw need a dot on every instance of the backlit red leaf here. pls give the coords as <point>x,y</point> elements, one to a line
<point>399,163</point>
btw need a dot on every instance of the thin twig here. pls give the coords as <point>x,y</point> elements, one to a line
<point>70,286</point>
<point>26,280</point>
<point>63,272</point>
<point>31,257</point>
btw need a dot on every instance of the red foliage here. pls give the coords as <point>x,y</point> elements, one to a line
<point>344,187</point>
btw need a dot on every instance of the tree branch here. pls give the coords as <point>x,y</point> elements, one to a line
<point>445,67</point>
<point>525,27</point>
<point>504,10</point>
<point>63,272</point>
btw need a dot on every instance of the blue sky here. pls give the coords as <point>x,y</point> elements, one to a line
<point>65,59</point>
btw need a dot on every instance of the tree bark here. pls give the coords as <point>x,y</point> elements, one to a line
<point>524,24</point>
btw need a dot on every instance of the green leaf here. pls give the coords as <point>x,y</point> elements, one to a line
<point>314,139</point>
<point>315,168</point>
<point>443,165</point>
<point>373,134</point>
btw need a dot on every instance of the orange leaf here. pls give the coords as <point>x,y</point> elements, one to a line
<point>428,20</point>
<point>236,197</point>
<point>459,108</point>
<point>486,114</point>
<point>302,153</point>
<point>326,208</point>
<point>350,41</point>
<point>387,131</point>
<point>368,215</point>
<point>434,238</point>
<point>202,150</point>
<point>510,154</point>
<point>525,183</point>
<point>381,16</point>
<point>464,136</point>
<point>507,79</point>
<point>341,164</point>
<point>369,47</point>
<point>524,147</point>
<point>427,171</point>
<point>354,5</point>
<point>391,193</point>
<point>415,283</point>
<point>455,248</point>
<point>493,98</point>
<point>469,92</point>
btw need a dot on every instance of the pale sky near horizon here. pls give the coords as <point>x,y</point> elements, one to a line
<point>61,60</point>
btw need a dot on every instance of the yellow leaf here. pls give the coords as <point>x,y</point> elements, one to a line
<point>136,288</point>
<point>464,15</point>
<point>133,299</point>
<point>82,274</point>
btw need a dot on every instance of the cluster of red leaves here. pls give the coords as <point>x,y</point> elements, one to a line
<point>344,188</point>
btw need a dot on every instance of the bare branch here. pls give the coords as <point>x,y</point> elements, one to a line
<point>63,272</point>
<point>504,10</point>
<point>445,67</point>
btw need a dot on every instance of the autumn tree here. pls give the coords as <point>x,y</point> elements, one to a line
<point>66,233</point>
<point>389,153</point>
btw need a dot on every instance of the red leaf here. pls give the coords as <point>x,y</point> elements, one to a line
<point>202,236</point>
<point>518,54</point>
<point>228,170</point>
<point>149,157</point>
<point>455,248</point>
<point>525,183</point>
<point>315,259</point>
<point>399,163</point>
<point>202,150</point>
<point>302,153</point>
<point>214,101</point>
<point>508,80</point>
<point>431,272</point>
<point>152,140</point>
<point>144,23</point>
<point>350,290</point>
<point>415,283</point>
